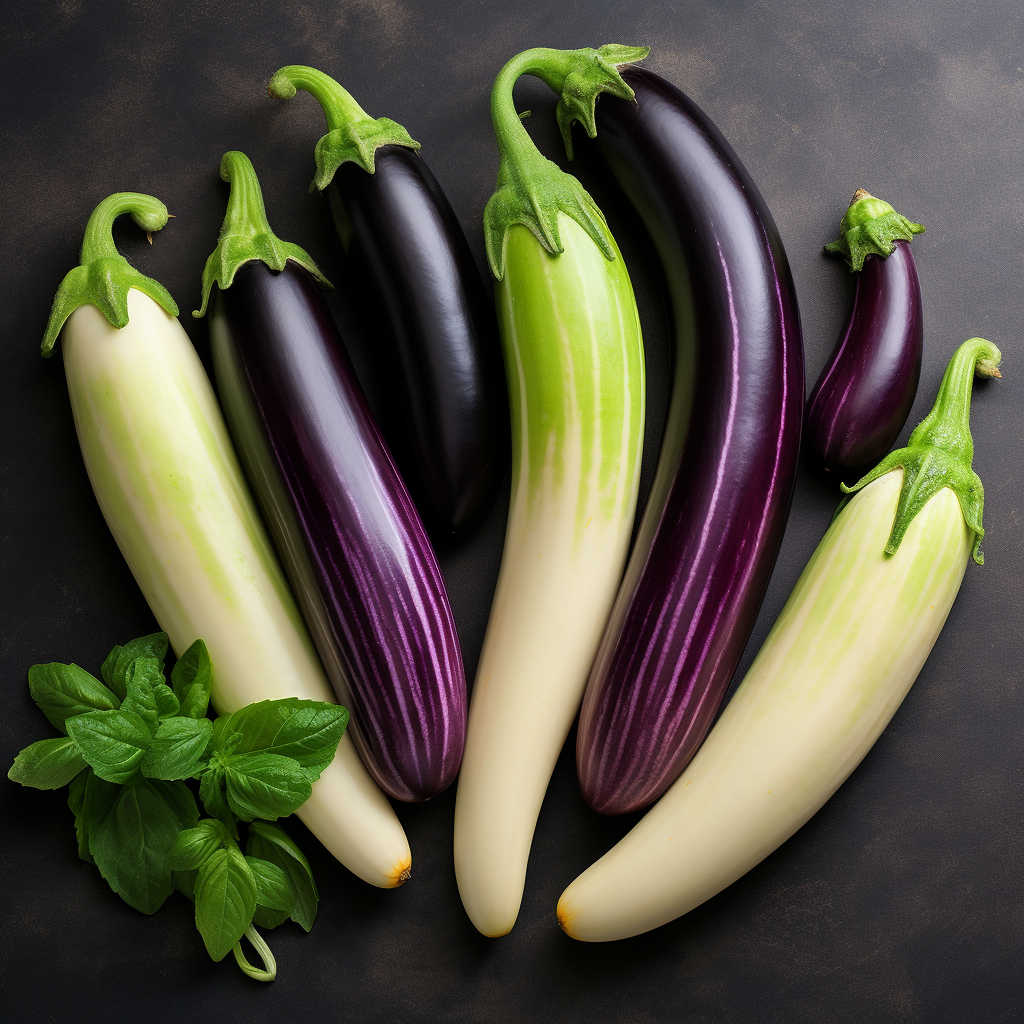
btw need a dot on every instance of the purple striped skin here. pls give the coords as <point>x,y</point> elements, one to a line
<point>864,395</point>
<point>349,535</point>
<point>699,572</point>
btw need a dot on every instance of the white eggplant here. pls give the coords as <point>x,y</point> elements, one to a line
<point>845,650</point>
<point>574,361</point>
<point>167,480</point>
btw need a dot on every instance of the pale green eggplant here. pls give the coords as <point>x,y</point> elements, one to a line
<point>574,362</point>
<point>171,490</point>
<point>843,654</point>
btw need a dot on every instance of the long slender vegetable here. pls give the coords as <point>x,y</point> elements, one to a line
<point>574,361</point>
<point>171,490</point>
<point>718,507</point>
<point>350,538</point>
<point>448,426</point>
<point>835,667</point>
<point>866,390</point>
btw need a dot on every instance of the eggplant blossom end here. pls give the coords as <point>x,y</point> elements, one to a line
<point>870,227</point>
<point>105,277</point>
<point>941,449</point>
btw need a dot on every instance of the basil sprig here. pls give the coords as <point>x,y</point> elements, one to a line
<point>131,743</point>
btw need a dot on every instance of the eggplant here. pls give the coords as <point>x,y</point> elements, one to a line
<point>714,521</point>
<point>448,422</point>
<point>349,535</point>
<point>866,390</point>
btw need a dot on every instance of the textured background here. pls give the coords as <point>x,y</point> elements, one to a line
<point>901,900</point>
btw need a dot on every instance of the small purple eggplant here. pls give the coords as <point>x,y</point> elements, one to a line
<point>864,395</point>
<point>348,534</point>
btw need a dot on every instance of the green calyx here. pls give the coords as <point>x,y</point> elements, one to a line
<point>940,450</point>
<point>245,234</point>
<point>531,190</point>
<point>352,134</point>
<point>870,227</point>
<point>104,276</point>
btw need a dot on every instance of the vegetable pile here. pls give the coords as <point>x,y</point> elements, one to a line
<point>130,743</point>
<point>321,581</point>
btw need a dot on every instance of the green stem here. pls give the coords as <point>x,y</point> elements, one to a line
<point>339,106</point>
<point>245,234</point>
<point>941,450</point>
<point>531,190</point>
<point>149,213</point>
<point>104,277</point>
<point>352,135</point>
<point>269,972</point>
<point>870,227</point>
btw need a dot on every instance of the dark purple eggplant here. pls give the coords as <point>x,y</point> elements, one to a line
<point>721,496</point>
<point>448,410</point>
<point>347,531</point>
<point>865,392</point>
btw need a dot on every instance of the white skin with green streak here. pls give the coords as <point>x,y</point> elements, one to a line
<point>574,361</point>
<point>843,654</point>
<point>166,477</point>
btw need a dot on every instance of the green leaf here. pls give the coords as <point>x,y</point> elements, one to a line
<point>273,890</point>
<point>265,786</point>
<point>195,846</point>
<point>130,840</point>
<point>166,703</point>
<point>272,843</point>
<point>63,691</point>
<point>142,678</point>
<point>308,731</point>
<point>225,892</point>
<point>264,917</point>
<point>177,749</point>
<point>119,660</point>
<point>192,679</point>
<point>211,792</point>
<point>185,882</point>
<point>48,764</point>
<point>76,801</point>
<point>112,742</point>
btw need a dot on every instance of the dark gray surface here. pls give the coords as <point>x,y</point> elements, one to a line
<point>901,899</point>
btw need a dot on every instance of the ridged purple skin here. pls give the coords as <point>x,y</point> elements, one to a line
<point>864,395</point>
<point>350,538</point>
<point>690,599</point>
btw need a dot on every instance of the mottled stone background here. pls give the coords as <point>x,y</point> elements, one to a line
<point>901,900</point>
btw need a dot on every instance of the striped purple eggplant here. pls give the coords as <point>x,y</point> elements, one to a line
<point>718,507</point>
<point>349,536</point>
<point>865,392</point>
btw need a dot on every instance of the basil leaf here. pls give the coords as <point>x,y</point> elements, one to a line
<point>141,680</point>
<point>192,679</point>
<point>166,703</point>
<point>196,845</point>
<point>112,742</point>
<point>265,785</point>
<point>272,843</point>
<point>119,660</point>
<point>211,792</point>
<point>225,892</point>
<point>264,917</point>
<point>308,731</point>
<point>273,890</point>
<point>63,691</point>
<point>48,764</point>
<point>131,839</point>
<point>76,801</point>
<point>177,748</point>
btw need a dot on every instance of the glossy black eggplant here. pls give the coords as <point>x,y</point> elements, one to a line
<point>721,496</point>
<point>348,533</point>
<point>447,420</point>
<point>866,390</point>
